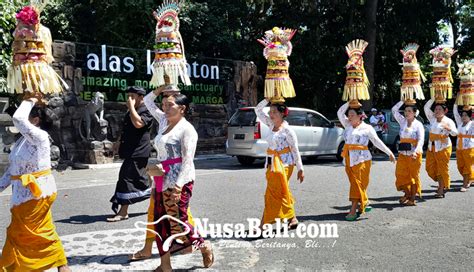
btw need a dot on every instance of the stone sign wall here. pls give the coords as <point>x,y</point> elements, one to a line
<point>86,122</point>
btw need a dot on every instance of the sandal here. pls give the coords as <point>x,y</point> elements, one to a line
<point>117,218</point>
<point>410,203</point>
<point>138,256</point>
<point>437,195</point>
<point>464,189</point>
<point>351,217</point>
<point>403,199</point>
<point>208,256</point>
<point>293,224</point>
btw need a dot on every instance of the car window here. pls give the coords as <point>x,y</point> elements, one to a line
<point>245,117</point>
<point>297,118</point>
<point>419,118</point>
<point>316,120</point>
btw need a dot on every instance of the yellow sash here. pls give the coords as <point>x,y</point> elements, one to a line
<point>439,137</point>
<point>30,181</point>
<point>409,141</point>
<point>279,168</point>
<point>461,137</point>
<point>349,147</point>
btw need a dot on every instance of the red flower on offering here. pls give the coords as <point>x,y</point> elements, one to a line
<point>287,111</point>
<point>28,16</point>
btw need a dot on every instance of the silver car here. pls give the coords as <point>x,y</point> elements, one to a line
<point>391,133</point>
<point>316,134</point>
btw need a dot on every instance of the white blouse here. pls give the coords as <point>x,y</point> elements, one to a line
<point>281,139</point>
<point>437,128</point>
<point>361,135</point>
<point>30,153</point>
<point>180,142</point>
<point>415,131</point>
<point>467,129</point>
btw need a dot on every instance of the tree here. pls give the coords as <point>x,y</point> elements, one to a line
<point>7,25</point>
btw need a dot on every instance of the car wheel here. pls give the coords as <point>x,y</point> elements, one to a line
<point>246,161</point>
<point>339,152</point>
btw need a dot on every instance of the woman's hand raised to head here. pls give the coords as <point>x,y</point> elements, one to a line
<point>33,99</point>
<point>159,90</point>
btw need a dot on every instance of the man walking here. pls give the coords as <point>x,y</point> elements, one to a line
<point>135,148</point>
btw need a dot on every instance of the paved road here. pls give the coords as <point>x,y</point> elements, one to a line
<point>435,235</point>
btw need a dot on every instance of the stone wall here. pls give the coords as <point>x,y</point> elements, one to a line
<point>210,121</point>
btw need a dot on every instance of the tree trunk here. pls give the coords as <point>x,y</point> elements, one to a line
<point>371,35</point>
<point>454,26</point>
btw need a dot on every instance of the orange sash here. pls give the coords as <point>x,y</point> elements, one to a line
<point>439,137</point>
<point>349,147</point>
<point>30,181</point>
<point>411,141</point>
<point>461,137</point>
<point>279,168</point>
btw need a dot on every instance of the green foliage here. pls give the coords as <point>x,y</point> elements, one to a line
<point>229,29</point>
<point>8,10</point>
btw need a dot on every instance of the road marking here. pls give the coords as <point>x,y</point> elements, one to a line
<point>109,250</point>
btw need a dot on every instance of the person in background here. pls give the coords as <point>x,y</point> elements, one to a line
<point>465,147</point>
<point>357,157</point>
<point>377,122</point>
<point>282,157</point>
<point>410,151</point>
<point>439,145</point>
<point>135,148</point>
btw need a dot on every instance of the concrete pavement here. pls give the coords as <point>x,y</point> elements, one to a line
<point>435,235</point>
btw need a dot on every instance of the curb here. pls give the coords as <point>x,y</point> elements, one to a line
<point>116,165</point>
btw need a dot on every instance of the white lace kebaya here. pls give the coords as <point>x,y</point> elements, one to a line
<point>30,154</point>
<point>360,135</point>
<point>468,129</point>
<point>180,142</point>
<point>415,131</point>
<point>281,139</point>
<point>438,128</point>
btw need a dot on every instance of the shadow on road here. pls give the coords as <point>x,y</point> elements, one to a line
<point>91,219</point>
<point>119,259</point>
<point>324,217</point>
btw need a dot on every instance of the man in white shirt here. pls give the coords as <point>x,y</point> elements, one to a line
<point>376,122</point>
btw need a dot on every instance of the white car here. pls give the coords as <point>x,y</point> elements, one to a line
<point>316,134</point>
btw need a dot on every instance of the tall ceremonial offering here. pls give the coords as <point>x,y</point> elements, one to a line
<point>170,59</point>
<point>31,73</point>
<point>442,81</point>
<point>278,47</point>
<point>412,76</point>
<point>357,84</point>
<point>466,87</point>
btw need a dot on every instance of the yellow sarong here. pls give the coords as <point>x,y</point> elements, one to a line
<point>279,202</point>
<point>407,173</point>
<point>359,179</point>
<point>32,243</point>
<point>358,176</point>
<point>437,165</point>
<point>465,162</point>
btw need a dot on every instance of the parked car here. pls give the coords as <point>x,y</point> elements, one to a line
<point>316,134</point>
<point>391,133</point>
